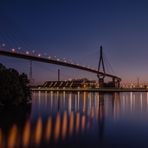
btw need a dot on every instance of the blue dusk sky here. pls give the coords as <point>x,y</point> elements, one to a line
<point>74,29</point>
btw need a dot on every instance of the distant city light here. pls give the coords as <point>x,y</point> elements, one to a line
<point>19,48</point>
<point>13,50</point>
<point>39,55</point>
<point>3,45</point>
<point>27,52</point>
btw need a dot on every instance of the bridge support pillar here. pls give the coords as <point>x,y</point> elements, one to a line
<point>101,82</point>
<point>101,66</point>
<point>116,83</point>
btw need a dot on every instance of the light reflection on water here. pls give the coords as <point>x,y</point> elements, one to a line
<point>26,134</point>
<point>72,118</point>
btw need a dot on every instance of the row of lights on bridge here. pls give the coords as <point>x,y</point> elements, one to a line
<point>49,57</point>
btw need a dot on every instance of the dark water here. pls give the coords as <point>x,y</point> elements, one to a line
<point>59,119</point>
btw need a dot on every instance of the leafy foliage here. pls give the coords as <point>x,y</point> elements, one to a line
<point>14,89</point>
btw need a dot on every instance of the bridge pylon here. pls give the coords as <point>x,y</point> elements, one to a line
<point>101,66</point>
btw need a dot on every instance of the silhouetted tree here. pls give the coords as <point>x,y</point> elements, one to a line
<point>14,89</point>
<point>25,86</point>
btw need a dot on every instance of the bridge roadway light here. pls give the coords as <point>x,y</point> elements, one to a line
<point>13,50</point>
<point>19,48</point>
<point>27,52</point>
<point>3,44</point>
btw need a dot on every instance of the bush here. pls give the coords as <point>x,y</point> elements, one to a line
<point>14,87</point>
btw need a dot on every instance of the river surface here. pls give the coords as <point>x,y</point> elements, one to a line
<point>64,119</point>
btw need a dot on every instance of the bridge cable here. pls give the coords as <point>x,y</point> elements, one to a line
<point>108,64</point>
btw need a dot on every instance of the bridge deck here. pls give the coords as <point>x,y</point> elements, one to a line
<point>52,61</point>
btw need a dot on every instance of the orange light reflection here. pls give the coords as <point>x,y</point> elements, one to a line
<point>71,123</point>
<point>64,125</point>
<point>77,122</point>
<point>12,137</point>
<point>48,129</point>
<point>83,123</point>
<point>57,127</point>
<point>38,131</point>
<point>1,138</point>
<point>26,134</point>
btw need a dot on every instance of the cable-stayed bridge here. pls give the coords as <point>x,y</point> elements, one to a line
<point>44,59</point>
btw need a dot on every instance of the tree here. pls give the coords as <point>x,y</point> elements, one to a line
<point>14,88</point>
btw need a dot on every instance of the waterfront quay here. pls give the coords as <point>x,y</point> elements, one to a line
<point>83,85</point>
<point>90,89</point>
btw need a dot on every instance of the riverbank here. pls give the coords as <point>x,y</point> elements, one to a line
<point>92,89</point>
